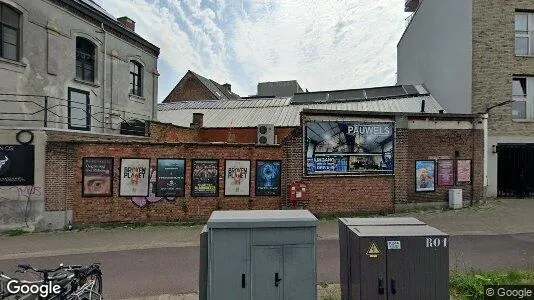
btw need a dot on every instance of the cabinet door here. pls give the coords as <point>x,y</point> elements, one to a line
<point>229,263</point>
<point>418,269</point>
<point>300,277</point>
<point>373,281</point>
<point>267,275</point>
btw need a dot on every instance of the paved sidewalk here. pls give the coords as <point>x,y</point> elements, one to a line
<point>494,217</point>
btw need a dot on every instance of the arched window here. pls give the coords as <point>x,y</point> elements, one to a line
<point>85,59</point>
<point>136,78</point>
<point>9,32</point>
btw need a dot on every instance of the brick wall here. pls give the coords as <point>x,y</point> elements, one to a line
<point>401,165</point>
<point>335,194</point>
<point>189,88</point>
<point>240,135</point>
<point>161,132</point>
<point>495,63</point>
<point>96,210</point>
<point>59,170</point>
<point>424,144</point>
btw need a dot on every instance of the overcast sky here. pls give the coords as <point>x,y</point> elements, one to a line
<point>324,44</point>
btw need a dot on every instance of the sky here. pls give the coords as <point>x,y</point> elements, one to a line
<point>323,44</point>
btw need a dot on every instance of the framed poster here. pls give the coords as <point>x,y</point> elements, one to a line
<point>170,177</point>
<point>425,174</point>
<point>134,177</point>
<point>445,172</point>
<point>237,177</point>
<point>205,178</point>
<point>268,177</point>
<point>463,170</point>
<point>349,148</point>
<point>17,164</point>
<point>97,177</point>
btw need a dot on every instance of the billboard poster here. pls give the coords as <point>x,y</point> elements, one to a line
<point>463,170</point>
<point>445,172</point>
<point>349,148</point>
<point>237,178</point>
<point>17,165</point>
<point>97,176</point>
<point>268,177</point>
<point>134,177</point>
<point>425,174</point>
<point>205,178</point>
<point>170,178</point>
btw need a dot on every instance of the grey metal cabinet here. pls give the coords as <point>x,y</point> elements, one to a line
<point>265,254</point>
<point>408,261</point>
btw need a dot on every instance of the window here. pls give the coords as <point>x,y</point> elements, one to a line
<point>9,32</point>
<point>519,95</point>
<point>79,110</point>
<point>85,59</point>
<point>136,78</point>
<point>524,30</point>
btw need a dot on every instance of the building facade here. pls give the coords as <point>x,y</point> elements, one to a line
<point>66,67</point>
<point>477,57</point>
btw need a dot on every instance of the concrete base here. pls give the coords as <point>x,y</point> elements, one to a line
<point>54,220</point>
<point>17,214</point>
<point>402,207</point>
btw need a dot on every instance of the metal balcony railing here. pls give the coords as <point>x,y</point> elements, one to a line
<point>18,110</point>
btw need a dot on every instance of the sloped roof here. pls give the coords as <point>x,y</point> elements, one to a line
<point>217,89</point>
<point>278,111</point>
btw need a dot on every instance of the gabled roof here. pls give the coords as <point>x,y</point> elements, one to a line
<point>216,89</point>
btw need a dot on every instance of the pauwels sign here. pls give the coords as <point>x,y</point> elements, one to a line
<point>17,164</point>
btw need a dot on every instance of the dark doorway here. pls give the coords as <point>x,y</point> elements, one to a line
<point>515,170</point>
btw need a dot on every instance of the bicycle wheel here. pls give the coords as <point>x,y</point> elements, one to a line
<point>97,279</point>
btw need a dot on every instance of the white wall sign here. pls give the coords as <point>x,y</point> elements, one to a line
<point>134,177</point>
<point>237,178</point>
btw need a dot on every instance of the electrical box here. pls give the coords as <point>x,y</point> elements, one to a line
<point>393,258</point>
<point>455,198</point>
<point>255,255</point>
<point>298,192</point>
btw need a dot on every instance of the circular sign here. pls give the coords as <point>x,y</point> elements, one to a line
<point>25,137</point>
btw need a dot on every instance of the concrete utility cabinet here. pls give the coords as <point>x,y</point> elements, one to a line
<point>393,258</point>
<point>263,254</point>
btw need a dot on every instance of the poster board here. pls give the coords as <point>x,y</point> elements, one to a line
<point>17,165</point>
<point>237,177</point>
<point>268,177</point>
<point>445,172</point>
<point>97,177</point>
<point>134,177</point>
<point>170,177</point>
<point>463,170</point>
<point>205,178</point>
<point>425,175</point>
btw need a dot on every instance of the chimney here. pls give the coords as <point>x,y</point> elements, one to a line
<point>198,121</point>
<point>127,22</point>
<point>228,86</point>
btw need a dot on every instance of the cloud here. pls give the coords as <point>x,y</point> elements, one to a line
<point>326,44</point>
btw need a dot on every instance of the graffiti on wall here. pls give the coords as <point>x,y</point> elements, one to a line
<point>151,198</point>
<point>15,203</point>
<point>14,193</point>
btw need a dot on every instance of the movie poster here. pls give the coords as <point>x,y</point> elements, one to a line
<point>425,174</point>
<point>170,178</point>
<point>17,165</point>
<point>205,178</point>
<point>237,178</point>
<point>349,148</point>
<point>268,177</point>
<point>97,176</point>
<point>445,172</point>
<point>134,177</point>
<point>463,170</point>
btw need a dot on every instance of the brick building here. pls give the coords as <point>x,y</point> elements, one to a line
<point>196,87</point>
<point>476,56</point>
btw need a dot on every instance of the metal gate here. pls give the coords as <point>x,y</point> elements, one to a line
<point>515,170</point>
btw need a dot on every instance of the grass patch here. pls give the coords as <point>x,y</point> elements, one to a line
<point>16,232</point>
<point>470,285</point>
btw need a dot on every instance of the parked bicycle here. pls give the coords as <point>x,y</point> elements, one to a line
<point>61,283</point>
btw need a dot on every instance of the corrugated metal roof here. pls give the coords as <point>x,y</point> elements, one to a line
<point>277,111</point>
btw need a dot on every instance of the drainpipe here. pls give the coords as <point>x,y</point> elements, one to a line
<point>155,75</point>
<point>104,81</point>
<point>473,122</point>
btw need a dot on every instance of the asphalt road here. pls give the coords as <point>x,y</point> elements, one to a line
<point>175,270</point>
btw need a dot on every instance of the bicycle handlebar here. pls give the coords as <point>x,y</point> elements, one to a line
<point>29,267</point>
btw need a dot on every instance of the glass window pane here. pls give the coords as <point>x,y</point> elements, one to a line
<point>132,67</point>
<point>521,22</point>
<point>78,109</point>
<point>9,35</point>
<point>88,74</point>
<point>10,51</point>
<point>10,16</point>
<point>519,110</point>
<point>519,86</point>
<point>521,46</point>
<point>79,72</point>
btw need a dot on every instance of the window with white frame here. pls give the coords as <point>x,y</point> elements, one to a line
<point>524,31</point>
<point>519,95</point>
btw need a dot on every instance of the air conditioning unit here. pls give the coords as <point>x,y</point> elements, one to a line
<point>266,134</point>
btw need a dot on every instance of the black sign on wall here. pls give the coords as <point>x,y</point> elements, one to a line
<point>170,178</point>
<point>17,163</point>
